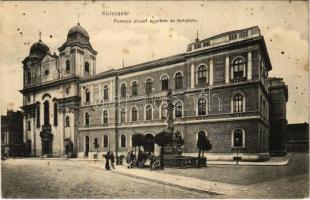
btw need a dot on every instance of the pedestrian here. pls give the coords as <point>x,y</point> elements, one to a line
<point>132,159</point>
<point>128,159</point>
<point>107,158</point>
<point>6,150</point>
<point>112,158</point>
<point>152,158</point>
<point>140,159</point>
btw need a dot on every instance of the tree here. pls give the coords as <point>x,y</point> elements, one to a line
<point>137,141</point>
<point>162,139</point>
<point>207,146</point>
<point>203,144</point>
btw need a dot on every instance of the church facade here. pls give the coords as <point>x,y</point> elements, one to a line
<point>219,86</point>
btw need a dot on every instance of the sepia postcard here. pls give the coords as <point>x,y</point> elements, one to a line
<point>154,99</point>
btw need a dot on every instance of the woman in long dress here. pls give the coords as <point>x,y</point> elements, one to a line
<point>107,163</point>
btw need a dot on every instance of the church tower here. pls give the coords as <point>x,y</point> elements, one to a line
<point>77,55</point>
<point>51,93</point>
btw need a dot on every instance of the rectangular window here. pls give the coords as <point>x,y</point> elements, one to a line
<point>233,37</point>
<point>243,34</point>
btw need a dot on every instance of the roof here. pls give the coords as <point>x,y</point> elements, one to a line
<point>78,36</point>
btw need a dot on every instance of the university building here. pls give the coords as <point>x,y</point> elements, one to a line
<point>220,87</point>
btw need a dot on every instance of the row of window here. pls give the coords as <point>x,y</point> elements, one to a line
<point>86,68</point>
<point>238,139</point>
<point>238,106</point>
<point>238,74</point>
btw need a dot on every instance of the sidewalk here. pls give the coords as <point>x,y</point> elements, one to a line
<point>273,161</point>
<point>210,187</point>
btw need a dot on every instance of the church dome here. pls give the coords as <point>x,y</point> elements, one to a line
<point>78,29</point>
<point>39,49</point>
<point>77,36</point>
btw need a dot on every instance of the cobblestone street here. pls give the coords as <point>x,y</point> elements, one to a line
<point>35,178</point>
<point>23,178</point>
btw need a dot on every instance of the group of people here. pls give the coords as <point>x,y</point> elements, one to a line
<point>109,158</point>
<point>143,159</point>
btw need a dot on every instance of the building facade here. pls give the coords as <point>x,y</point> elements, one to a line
<point>219,87</point>
<point>297,137</point>
<point>12,133</point>
<point>278,96</point>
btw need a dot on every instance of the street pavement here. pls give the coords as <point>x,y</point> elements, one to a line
<point>29,178</point>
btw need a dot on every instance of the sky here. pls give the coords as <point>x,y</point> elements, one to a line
<point>284,25</point>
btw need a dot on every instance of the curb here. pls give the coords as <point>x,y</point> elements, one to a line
<point>161,182</point>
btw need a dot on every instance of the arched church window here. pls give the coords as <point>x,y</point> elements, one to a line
<point>67,66</point>
<point>86,69</point>
<point>46,113</point>
<point>38,115</point>
<point>67,121</point>
<point>28,77</point>
<point>55,114</point>
<point>87,96</point>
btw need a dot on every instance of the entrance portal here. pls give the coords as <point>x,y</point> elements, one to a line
<point>149,145</point>
<point>46,147</point>
<point>86,146</point>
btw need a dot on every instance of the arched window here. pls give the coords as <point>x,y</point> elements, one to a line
<point>148,112</point>
<point>87,119</point>
<point>238,138</point>
<point>86,69</point>
<point>67,121</point>
<point>67,66</point>
<point>238,103</point>
<point>87,96</point>
<point>178,109</point>
<point>179,81</point>
<point>38,115</point>
<point>123,141</point>
<point>238,70</point>
<point>202,75</point>
<point>46,113</point>
<point>134,88</point>
<point>28,77</point>
<point>123,115</point>
<point>134,114</point>
<point>105,141</point>
<point>149,86</point>
<point>105,117</point>
<point>123,90</point>
<point>164,111</point>
<point>164,83</point>
<point>55,114</point>
<point>202,106</point>
<point>106,92</point>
